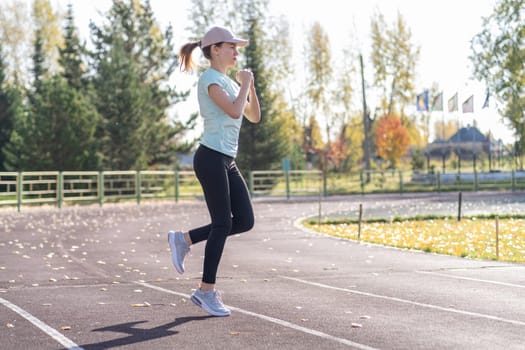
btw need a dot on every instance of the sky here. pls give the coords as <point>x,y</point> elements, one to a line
<point>442,29</point>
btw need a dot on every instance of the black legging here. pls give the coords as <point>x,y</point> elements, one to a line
<point>228,202</point>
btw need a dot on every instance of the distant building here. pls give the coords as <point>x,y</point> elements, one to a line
<point>467,143</point>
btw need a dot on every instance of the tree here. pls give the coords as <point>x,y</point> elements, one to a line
<point>391,139</point>
<point>313,141</point>
<point>18,27</point>
<point>122,100</point>
<point>498,57</point>
<point>394,59</point>
<point>319,66</point>
<point>10,108</point>
<point>262,145</point>
<point>70,58</point>
<point>47,23</point>
<point>354,137</point>
<point>64,125</point>
<point>133,61</point>
<point>15,19</point>
<point>38,69</point>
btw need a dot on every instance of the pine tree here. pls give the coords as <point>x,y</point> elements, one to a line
<point>122,100</point>
<point>38,69</point>
<point>133,63</point>
<point>69,122</point>
<point>262,145</point>
<point>79,101</point>
<point>70,58</point>
<point>7,108</point>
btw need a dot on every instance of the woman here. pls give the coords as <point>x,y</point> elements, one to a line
<point>222,104</point>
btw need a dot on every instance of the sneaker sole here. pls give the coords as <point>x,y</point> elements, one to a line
<point>205,307</point>
<point>174,257</point>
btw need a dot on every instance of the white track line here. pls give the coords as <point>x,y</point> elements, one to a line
<point>472,279</point>
<point>272,319</point>
<point>429,306</point>
<point>53,333</point>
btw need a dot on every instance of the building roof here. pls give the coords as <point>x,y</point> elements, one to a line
<point>468,134</point>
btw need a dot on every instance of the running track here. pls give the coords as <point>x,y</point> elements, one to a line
<point>101,278</point>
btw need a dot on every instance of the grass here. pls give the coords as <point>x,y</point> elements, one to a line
<point>472,237</point>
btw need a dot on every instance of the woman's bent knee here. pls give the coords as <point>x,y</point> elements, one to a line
<point>243,224</point>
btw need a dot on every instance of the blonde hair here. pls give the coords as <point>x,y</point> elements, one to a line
<point>186,51</point>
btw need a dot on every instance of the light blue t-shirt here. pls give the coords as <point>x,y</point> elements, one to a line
<point>221,132</point>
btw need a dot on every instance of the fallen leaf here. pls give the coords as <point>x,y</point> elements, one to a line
<point>356,325</point>
<point>10,325</point>
<point>65,328</point>
<point>145,304</point>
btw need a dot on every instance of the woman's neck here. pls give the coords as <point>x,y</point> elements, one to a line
<point>218,67</point>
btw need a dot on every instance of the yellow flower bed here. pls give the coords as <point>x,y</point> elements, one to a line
<point>470,237</point>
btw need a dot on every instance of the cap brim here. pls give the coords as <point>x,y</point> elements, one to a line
<point>238,42</point>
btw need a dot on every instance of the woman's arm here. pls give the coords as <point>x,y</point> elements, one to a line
<point>252,111</point>
<point>240,105</point>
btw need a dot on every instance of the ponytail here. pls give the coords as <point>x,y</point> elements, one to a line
<point>186,51</point>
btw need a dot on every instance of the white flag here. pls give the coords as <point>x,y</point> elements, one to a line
<point>468,105</point>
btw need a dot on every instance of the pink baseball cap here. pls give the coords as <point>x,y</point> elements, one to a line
<point>220,34</point>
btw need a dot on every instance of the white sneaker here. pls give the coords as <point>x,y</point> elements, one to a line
<point>179,248</point>
<point>210,301</point>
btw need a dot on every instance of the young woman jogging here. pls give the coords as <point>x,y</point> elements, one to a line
<point>222,103</point>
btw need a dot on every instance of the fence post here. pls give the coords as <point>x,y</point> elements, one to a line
<point>360,219</point>
<point>362,182</point>
<point>460,201</point>
<point>497,237</point>
<point>100,188</point>
<point>60,192</point>
<point>287,178</point>
<point>138,186</point>
<point>325,181</point>
<point>475,180</point>
<point>439,181</point>
<point>176,186</point>
<point>250,183</point>
<point>19,184</point>
<point>513,180</point>
<point>400,182</point>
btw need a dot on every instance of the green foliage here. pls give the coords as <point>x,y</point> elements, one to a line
<point>39,70</point>
<point>498,57</point>
<point>47,23</point>
<point>262,145</point>
<point>61,127</point>
<point>112,116</point>
<point>9,107</point>
<point>417,160</point>
<point>70,58</point>
<point>133,62</point>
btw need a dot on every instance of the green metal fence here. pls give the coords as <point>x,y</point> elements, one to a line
<point>59,188</point>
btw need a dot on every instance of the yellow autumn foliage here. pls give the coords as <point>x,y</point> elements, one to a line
<point>470,237</point>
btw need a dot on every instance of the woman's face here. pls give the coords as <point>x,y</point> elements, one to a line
<point>227,54</point>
